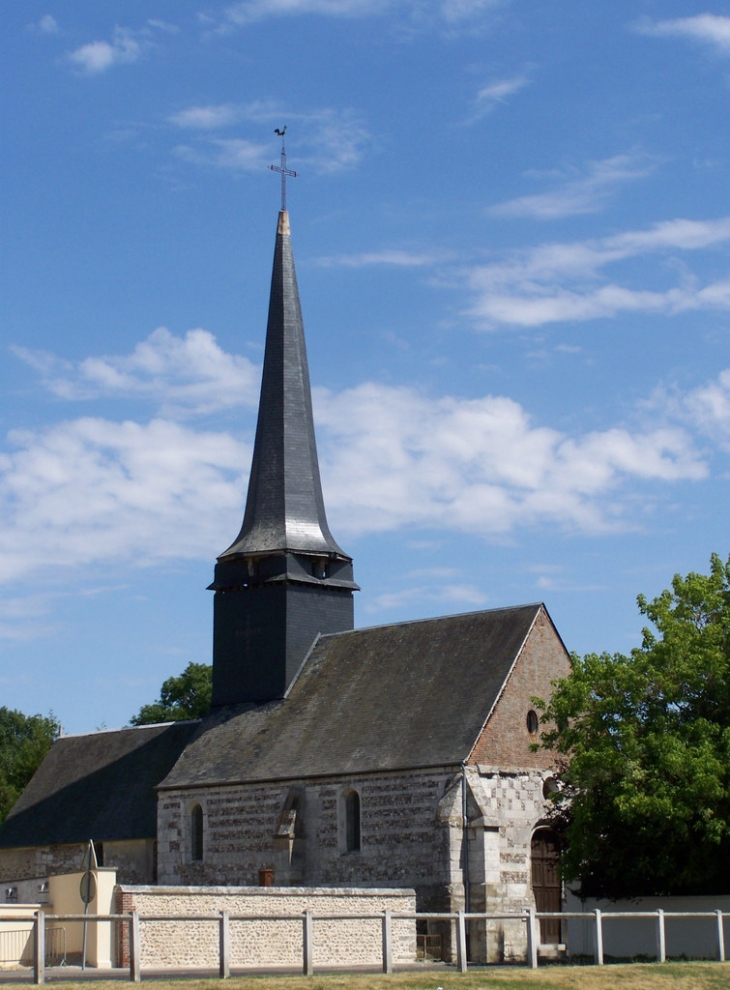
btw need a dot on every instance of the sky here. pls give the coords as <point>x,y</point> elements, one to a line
<point>511,226</point>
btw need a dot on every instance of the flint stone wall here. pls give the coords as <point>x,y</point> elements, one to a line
<point>350,942</point>
<point>134,861</point>
<point>402,845</point>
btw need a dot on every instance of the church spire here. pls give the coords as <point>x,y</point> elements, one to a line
<point>284,509</point>
<point>284,579</point>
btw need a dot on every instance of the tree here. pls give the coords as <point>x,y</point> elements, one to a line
<point>186,696</point>
<point>644,747</point>
<point>24,741</point>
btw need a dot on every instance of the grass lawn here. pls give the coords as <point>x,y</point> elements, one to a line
<point>650,976</point>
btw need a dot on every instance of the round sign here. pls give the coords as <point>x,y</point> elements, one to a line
<point>87,888</point>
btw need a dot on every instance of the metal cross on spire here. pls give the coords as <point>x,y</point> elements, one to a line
<point>282,168</point>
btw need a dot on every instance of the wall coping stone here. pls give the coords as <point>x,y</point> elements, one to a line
<point>222,891</point>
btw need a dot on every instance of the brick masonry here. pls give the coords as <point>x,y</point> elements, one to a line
<point>505,740</point>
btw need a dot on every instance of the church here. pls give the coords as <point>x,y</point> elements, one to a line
<point>394,756</point>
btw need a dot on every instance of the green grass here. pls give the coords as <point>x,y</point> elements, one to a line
<point>651,976</point>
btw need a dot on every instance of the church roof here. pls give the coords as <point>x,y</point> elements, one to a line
<point>413,694</point>
<point>284,508</point>
<point>99,786</point>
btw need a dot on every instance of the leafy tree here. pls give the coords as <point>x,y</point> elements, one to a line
<point>644,743</point>
<point>24,741</point>
<point>186,696</point>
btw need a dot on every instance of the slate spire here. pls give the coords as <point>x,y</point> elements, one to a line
<point>284,579</point>
<point>285,509</point>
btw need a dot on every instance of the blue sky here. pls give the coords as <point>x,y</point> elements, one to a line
<point>512,233</point>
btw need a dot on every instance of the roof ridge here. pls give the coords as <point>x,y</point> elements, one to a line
<point>435,618</point>
<point>128,728</point>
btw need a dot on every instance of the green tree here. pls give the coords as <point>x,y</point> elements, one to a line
<point>24,741</point>
<point>186,696</point>
<point>644,747</point>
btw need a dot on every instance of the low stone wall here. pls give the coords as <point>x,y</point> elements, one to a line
<point>349,942</point>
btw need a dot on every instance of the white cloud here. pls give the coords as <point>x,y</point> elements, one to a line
<point>491,96</point>
<point>48,24</point>
<point>449,593</point>
<point>90,490</point>
<point>399,259</point>
<point>581,194</point>
<point>181,375</point>
<point>250,11</point>
<point>711,29</point>
<point>237,154</point>
<point>208,117</point>
<point>566,281</point>
<point>164,26</point>
<point>450,12</point>
<point>396,459</point>
<point>327,140</point>
<point>99,56</point>
<point>706,408</point>
<point>463,10</point>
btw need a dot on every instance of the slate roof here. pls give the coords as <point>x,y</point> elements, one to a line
<point>414,694</point>
<point>99,786</point>
<point>284,507</point>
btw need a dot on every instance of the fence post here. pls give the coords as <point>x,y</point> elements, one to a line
<point>461,941</point>
<point>134,948</point>
<point>532,938</point>
<point>224,962</point>
<point>387,942</point>
<point>720,938</point>
<point>307,945</point>
<point>599,938</point>
<point>661,947</point>
<point>39,948</point>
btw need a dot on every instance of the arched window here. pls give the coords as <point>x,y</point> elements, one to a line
<point>196,834</point>
<point>352,821</point>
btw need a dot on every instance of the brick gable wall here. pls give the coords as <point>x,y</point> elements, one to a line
<point>505,740</point>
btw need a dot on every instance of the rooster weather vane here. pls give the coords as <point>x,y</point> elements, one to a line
<point>282,168</point>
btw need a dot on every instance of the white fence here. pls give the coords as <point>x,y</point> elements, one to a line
<point>688,926</point>
<point>598,919</point>
<point>16,946</point>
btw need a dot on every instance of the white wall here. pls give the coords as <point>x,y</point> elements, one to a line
<point>65,898</point>
<point>630,937</point>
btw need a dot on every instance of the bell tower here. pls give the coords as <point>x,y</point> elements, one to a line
<point>284,579</point>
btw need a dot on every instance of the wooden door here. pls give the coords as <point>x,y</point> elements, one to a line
<point>546,884</point>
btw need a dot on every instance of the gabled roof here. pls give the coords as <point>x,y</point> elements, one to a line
<point>99,786</point>
<point>414,694</point>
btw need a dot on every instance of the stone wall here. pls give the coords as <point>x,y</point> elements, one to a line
<point>507,806</point>
<point>412,835</point>
<point>39,861</point>
<point>134,860</point>
<point>268,943</point>
<point>401,845</point>
<point>412,830</point>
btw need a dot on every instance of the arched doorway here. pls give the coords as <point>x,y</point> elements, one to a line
<point>546,885</point>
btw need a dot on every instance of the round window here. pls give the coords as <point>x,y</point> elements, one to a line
<point>533,722</point>
<point>550,787</point>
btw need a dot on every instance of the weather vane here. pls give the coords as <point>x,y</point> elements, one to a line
<point>282,168</point>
